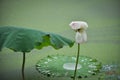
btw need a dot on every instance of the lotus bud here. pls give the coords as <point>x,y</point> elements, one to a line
<point>80,28</point>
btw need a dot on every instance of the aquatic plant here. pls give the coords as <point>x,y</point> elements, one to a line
<point>64,66</point>
<point>24,40</point>
<point>81,37</point>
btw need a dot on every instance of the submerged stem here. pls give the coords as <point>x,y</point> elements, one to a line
<point>23,66</point>
<point>76,62</point>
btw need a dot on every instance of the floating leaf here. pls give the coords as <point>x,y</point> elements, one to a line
<point>54,64</point>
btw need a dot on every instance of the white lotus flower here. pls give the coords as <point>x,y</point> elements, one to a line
<point>76,25</point>
<point>80,27</point>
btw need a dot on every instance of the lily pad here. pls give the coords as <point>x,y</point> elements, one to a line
<point>64,66</point>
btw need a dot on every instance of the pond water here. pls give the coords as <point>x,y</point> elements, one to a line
<point>103,33</point>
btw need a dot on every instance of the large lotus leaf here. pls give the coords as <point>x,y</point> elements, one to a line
<point>24,40</point>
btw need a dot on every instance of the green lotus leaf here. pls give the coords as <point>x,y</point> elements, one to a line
<point>24,40</point>
<point>61,65</point>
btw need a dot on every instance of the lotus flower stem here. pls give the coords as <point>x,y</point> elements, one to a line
<point>23,66</point>
<point>76,61</point>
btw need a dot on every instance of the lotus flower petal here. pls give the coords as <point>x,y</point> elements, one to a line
<point>81,37</point>
<point>75,25</point>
